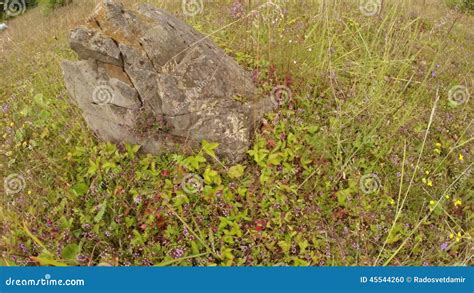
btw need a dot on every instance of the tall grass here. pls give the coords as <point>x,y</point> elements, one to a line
<point>364,90</point>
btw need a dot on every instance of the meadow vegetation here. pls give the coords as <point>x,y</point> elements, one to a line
<point>367,161</point>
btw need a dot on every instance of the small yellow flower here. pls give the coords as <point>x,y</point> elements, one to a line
<point>438,145</point>
<point>458,237</point>
<point>457,202</point>
<point>427,172</point>
<point>29,192</point>
<point>461,157</point>
<point>451,236</point>
<point>446,196</point>
<point>12,124</point>
<point>438,151</point>
<point>392,202</point>
<point>432,202</point>
<point>428,182</point>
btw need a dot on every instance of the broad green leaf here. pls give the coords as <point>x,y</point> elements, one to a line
<point>194,162</point>
<point>209,147</point>
<point>275,159</point>
<point>132,150</point>
<point>211,176</point>
<point>80,188</point>
<point>71,251</point>
<point>395,235</point>
<point>101,212</point>
<point>64,223</point>
<point>285,246</point>
<point>39,100</point>
<point>342,196</point>
<point>236,171</point>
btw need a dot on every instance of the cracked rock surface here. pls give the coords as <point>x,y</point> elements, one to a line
<point>147,78</point>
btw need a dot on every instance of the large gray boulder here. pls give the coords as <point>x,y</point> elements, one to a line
<point>145,77</point>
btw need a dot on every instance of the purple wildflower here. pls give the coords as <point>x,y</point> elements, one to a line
<point>237,9</point>
<point>255,76</point>
<point>187,234</point>
<point>444,246</point>
<point>137,199</point>
<point>177,253</point>
<point>346,230</point>
<point>5,108</point>
<point>23,248</point>
<point>81,258</point>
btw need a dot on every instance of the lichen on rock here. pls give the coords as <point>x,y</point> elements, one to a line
<point>147,78</point>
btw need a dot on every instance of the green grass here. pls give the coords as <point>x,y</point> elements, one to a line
<point>367,162</point>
